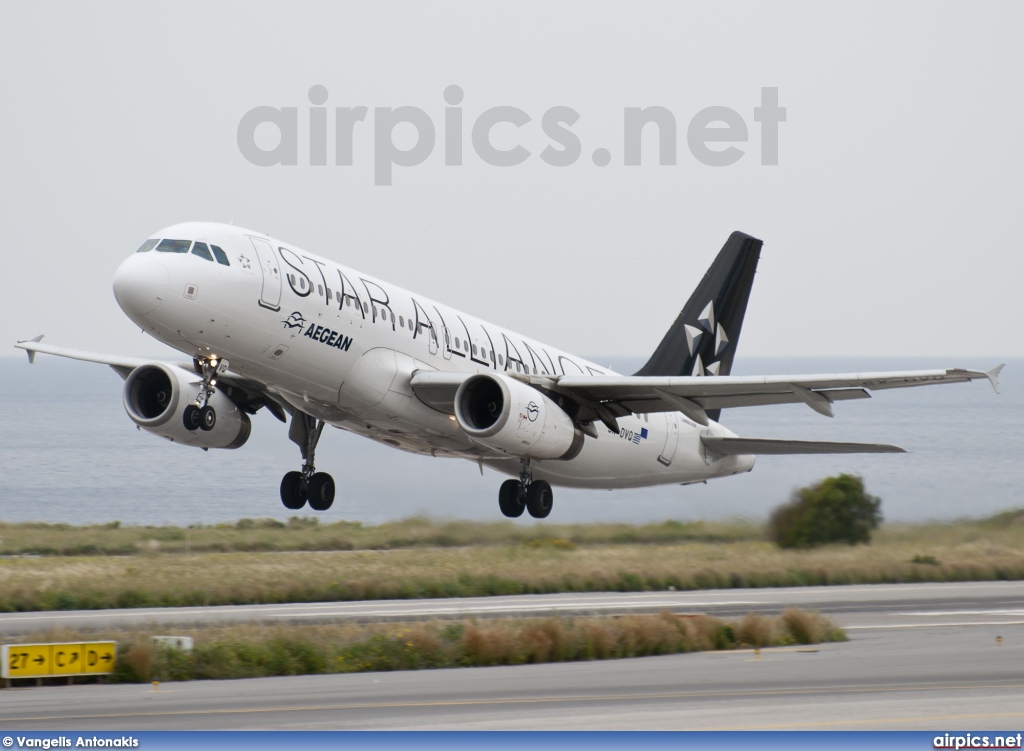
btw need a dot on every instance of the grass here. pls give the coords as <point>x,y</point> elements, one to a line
<point>252,651</point>
<point>307,534</point>
<point>505,559</point>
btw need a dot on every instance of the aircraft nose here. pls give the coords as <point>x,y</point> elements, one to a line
<point>140,284</point>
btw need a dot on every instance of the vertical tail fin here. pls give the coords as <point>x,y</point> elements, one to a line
<point>703,339</point>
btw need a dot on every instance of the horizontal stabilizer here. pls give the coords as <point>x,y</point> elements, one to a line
<point>735,446</point>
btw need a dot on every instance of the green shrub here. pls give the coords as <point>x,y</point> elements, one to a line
<point>834,510</point>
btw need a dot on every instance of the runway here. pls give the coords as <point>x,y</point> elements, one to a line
<point>920,657</point>
<point>859,606</point>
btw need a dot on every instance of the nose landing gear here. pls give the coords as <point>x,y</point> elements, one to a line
<point>308,485</point>
<point>525,494</point>
<point>201,414</point>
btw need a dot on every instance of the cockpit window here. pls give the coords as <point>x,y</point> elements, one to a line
<point>200,249</point>
<point>173,246</point>
<point>220,255</point>
<point>148,245</point>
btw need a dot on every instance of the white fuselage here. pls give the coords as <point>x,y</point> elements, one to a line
<point>342,346</point>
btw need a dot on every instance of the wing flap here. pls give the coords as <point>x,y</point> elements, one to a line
<point>741,400</point>
<point>736,446</point>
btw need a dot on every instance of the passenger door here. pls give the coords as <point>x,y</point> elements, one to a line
<point>671,438</point>
<point>270,297</point>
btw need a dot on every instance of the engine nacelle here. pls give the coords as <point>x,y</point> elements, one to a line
<point>506,415</point>
<point>155,397</point>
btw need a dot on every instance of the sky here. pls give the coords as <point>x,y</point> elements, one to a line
<point>888,201</point>
<point>889,221</point>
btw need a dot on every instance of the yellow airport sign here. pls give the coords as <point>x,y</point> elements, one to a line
<point>26,660</point>
<point>64,659</point>
<point>67,659</point>
<point>99,656</point>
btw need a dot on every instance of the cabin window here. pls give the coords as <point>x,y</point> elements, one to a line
<point>412,326</point>
<point>319,289</point>
<point>457,345</point>
<point>174,246</point>
<point>147,246</point>
<point>366,307</point>
<point>348,301</point>
<point>220,255</point>
<point>501,361</point>
<point>200,249</point>
<point>328,293</point>
<point>465,346</point>
<point>401,321</point>
<point>483,352</point>
<point>474,349</point>
<point>337,297</point>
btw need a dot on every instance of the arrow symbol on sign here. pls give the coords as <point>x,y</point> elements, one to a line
<point>106,657</point>
<point>39,660</point>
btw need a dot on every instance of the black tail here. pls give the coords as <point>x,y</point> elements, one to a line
<point>703,339</point>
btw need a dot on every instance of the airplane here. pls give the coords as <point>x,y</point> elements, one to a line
<point>267,324</point>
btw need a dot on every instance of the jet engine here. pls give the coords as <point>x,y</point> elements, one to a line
<point>155,397</point>
<point>506,415</point>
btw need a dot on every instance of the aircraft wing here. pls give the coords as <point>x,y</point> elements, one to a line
<point>693,396</point>
<point>123,365</point>
<point>254,394</point>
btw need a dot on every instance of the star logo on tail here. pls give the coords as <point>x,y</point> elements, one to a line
<point>694,334</point>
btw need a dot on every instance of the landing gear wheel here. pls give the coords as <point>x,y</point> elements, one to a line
<point>320,491</point>
<point>539,499</point>
<point>190,417</point>
<point>207,417</point>
<point>293,494</point>
<point>510,499</point>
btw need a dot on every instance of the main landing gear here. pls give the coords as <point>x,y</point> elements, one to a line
<point>525,494</point>
<point>200,415</point>
<point>307,485</point>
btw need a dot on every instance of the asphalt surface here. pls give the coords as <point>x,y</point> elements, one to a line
<point>981,601</point>
<point>920,657</point>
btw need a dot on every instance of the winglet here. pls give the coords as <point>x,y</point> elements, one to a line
<point>993,376</point>
<point>32,353</point>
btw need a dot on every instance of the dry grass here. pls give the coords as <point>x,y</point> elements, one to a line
<point>757,630</point>
<point>983,550</point>
<point>308,534</point>
<point>250,650</point>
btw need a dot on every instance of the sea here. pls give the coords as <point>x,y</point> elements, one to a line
<point>69,454</point>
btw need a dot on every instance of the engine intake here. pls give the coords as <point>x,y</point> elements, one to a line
<point>506,415</point>
<point>155,397</point>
